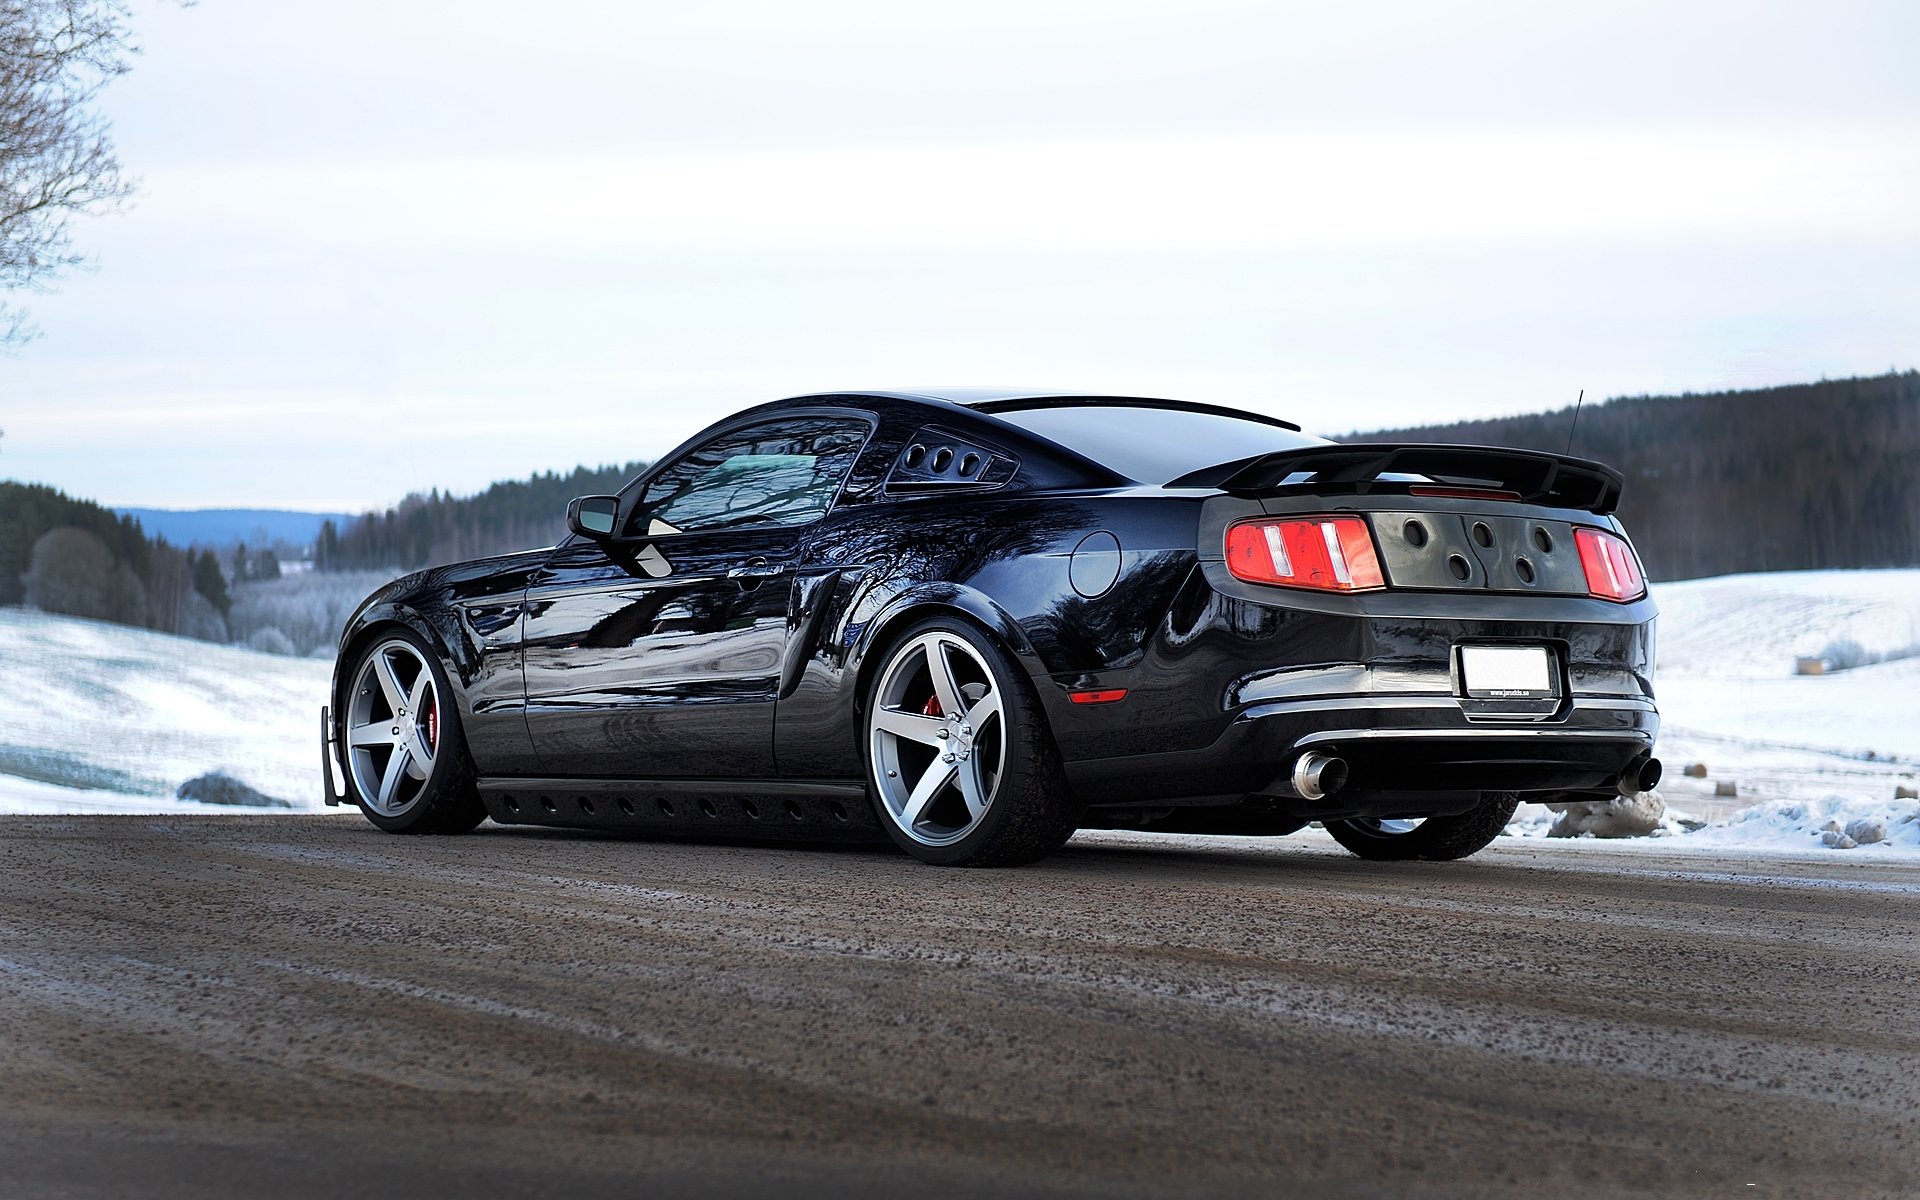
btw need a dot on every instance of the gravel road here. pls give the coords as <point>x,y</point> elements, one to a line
<point>303,1006</point>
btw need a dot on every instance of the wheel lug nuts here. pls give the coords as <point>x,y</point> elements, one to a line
<point>946,758</point>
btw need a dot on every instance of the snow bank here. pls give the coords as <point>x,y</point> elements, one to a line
<point>1834,822</point>
<point>29,796</point>
<point>97,717</point>
<point>1869,828</point>
<point>1800,751</point>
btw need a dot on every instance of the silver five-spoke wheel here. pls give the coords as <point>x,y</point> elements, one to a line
<point>393,728</point>
<point>937,738</point>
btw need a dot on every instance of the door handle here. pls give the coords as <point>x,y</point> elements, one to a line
<point>755,568</point>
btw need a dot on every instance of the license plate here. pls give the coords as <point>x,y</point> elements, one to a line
<point>1506,672</point>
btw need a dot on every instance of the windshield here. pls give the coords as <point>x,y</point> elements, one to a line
<point>1155,445</point>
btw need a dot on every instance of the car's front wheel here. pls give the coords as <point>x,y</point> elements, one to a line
<point>407,763</point>
<point>1448,837</point>
<point>960,762</point>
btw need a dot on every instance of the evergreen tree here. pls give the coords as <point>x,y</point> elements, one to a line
<point>210,583</point>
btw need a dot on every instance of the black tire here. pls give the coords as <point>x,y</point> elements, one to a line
<point>1030,812</point>
<point>1435,838</point>
<point>448,801</point>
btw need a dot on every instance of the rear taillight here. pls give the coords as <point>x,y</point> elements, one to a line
<point>1613,573</point>
<point>1329,554</point>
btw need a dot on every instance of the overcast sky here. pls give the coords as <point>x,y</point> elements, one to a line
<point>384,246</point>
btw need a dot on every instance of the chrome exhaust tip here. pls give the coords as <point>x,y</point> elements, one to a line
<point>1642,775</point>
<point>1316,776</point>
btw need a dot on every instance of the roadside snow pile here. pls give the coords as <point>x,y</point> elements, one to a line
<point>1833,823</point>
<point>1645,815</point>
<point>1622,816</point>
<point>1758,756</point>
<point>99,717</point>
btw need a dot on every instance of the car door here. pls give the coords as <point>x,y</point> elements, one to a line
<point>656,654</point>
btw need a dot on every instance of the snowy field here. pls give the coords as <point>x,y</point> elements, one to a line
<point>1803,753</point>
<point>101,718</point>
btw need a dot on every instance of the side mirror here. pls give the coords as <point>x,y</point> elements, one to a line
<point>593,516</point>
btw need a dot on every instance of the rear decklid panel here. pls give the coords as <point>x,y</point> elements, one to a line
<point>1467,551</point>
<point>1471,548</point>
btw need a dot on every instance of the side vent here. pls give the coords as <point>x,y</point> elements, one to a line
<point>935,459</point>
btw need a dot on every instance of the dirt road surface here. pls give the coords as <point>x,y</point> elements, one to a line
<point>305,1007</point>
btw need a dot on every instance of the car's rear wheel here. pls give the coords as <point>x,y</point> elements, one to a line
<point>1439,838</point>
<point>960,762</point>
<point>406,759</point>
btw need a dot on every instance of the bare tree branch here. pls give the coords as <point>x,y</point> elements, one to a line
<point>56,156</point>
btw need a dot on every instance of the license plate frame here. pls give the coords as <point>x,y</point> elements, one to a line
<point>1508,672</point>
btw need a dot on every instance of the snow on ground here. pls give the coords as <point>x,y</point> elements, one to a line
<point>19,795</point>
<point>1726,652</point>
<point>1806,755</point>
<point>100,717</point>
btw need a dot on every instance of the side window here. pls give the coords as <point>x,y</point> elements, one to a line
<point>780,473</point>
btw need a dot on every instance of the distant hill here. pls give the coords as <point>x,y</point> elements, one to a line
<point>427,530</point>
<point>70,555</point>
<point>1810,476</point>
<point>1805,477</point>
<point>224,526</point>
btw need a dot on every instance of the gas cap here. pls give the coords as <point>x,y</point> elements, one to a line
<point>1094,564</point>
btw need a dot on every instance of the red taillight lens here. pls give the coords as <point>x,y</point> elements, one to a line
<point>1613,573</point>
<point>1330,554</point>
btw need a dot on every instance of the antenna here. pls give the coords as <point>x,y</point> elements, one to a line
<point>1576,419</point>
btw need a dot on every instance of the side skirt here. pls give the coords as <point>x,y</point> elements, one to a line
<point>743,808</point>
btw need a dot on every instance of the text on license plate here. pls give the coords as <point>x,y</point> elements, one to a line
<point>1503,672</point>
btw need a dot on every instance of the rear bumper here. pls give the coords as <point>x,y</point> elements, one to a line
<point>1400,751</point>
<point>1239,680</point>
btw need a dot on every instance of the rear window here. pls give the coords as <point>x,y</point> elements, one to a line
<point>1155,445</point>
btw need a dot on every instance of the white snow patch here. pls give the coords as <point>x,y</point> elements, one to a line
<point>97,717</point>
<point>1805,757</point>
<point>1835,822</point>
<point>29,796</point>
<point>1755,626</point>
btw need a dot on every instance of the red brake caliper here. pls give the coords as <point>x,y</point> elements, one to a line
<point>933,707</point>
<point>433,727</point>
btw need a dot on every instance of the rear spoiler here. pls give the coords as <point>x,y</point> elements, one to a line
<point>1538,477</point>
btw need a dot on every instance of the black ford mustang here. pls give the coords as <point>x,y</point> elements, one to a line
<point>974,623</point>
